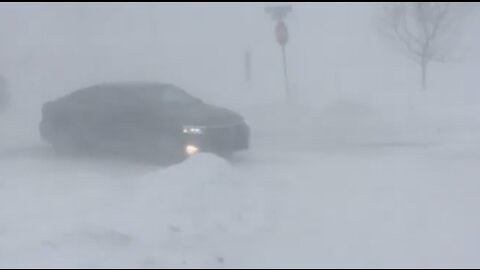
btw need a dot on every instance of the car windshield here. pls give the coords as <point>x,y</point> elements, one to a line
<point>173,95</point>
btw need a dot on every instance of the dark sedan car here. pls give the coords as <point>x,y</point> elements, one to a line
<point>152,120</point>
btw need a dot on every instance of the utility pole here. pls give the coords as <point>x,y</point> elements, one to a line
<point>248,66</point>
<point>279,13</point>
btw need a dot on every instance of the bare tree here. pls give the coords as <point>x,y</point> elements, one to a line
<point>424,30</point>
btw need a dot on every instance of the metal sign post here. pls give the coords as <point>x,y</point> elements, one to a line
<point>281,32</point>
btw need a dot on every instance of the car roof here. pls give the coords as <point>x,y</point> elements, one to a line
<point>121,94</point>
<point>126,88</point>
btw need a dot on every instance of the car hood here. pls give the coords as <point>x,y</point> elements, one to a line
<point>208,115</point>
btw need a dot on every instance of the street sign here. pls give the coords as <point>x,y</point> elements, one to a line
<point>278,12</point>
<point>281,32</point>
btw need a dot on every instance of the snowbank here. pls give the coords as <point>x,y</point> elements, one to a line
<point>88,216</point>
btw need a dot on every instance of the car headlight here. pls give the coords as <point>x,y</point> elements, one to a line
<point>191,149</point>
<point>192,130</point>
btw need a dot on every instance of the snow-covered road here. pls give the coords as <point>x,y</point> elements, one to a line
<point>357,204</point>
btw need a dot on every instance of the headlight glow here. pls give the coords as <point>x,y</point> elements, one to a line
<point>191,149</point>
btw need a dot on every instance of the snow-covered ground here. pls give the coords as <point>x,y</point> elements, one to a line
<point>301,197</point>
